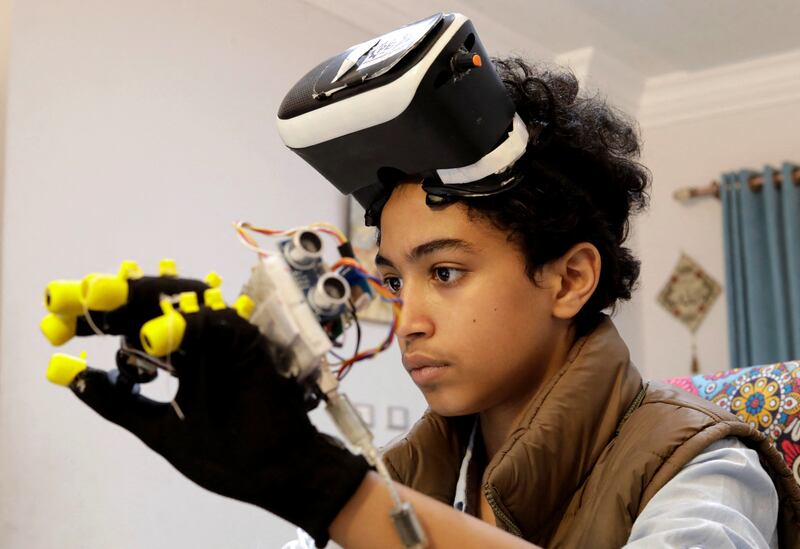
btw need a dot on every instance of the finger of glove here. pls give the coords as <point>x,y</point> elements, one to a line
<point>218,339</point>
<point>147,419</point>
<point>144,303</point>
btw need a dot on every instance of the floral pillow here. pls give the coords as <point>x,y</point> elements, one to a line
<point>767,397</point>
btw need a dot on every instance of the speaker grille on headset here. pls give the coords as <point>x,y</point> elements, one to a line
<point>300,98</point>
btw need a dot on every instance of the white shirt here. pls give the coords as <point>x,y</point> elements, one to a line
<point>721,499</point>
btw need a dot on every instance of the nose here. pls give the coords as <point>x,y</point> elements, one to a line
<point>415,321</point>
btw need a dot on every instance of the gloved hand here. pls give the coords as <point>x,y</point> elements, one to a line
<point>244,432</point>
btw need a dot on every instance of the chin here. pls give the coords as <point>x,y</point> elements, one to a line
<point>450,406</point>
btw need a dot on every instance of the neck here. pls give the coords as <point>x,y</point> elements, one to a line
<point>496,425</point>
<point>498,422</point>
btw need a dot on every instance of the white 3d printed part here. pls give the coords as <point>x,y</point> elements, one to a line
<point>283,315</point>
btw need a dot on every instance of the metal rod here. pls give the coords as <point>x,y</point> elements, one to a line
<point>755,183</point>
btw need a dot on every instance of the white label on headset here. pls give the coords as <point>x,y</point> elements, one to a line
<point>391,47</point>
<point>376,56</point>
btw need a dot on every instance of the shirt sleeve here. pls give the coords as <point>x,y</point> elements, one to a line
<point>721,499</point>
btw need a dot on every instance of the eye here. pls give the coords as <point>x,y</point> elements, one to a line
<point>447,275</point>
<point>393,283</point>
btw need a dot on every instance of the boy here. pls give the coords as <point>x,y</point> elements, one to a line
<point>539,426</point>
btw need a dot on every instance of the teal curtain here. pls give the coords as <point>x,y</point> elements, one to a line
<point>761,230</point>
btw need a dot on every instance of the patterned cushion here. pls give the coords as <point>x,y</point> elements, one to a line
<point>767,397</point>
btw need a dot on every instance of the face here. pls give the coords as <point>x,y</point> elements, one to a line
<point>475,331</point>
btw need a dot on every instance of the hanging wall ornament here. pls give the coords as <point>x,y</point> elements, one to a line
<point>688,295</point>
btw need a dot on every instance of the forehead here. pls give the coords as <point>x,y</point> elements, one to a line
<point>406,222</point>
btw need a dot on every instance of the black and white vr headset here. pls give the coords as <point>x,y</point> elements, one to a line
<point>421,101</point>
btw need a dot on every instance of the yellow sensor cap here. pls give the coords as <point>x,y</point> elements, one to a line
<point>103,292</point>
<point>58,329</point>
<point>244,306</point>
<point>213,299</point>
<point>63,368</point>
<point>187,302</point>
<point>213,280</point>
<point>167,267</point>
<point>64,297</point>
<point>129,269</point>
<point>163,335</point>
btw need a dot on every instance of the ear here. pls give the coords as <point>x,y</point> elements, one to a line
<point>579,273</point>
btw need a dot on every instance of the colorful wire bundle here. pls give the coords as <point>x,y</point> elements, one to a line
<point>243,230</point>
<point>386,295</point>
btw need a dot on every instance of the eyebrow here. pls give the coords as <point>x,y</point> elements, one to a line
<point>428,248</point>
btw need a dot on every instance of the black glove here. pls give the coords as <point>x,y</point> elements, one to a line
<point>244,433</point>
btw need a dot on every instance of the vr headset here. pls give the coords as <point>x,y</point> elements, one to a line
<point>423,101</point>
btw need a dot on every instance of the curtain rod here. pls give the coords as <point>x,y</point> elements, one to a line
<point>712,189</point>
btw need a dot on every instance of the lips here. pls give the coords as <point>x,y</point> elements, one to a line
<point>424,369</point>
<point>415,361</point>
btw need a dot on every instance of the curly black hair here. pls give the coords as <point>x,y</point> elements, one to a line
<point>581,181</point>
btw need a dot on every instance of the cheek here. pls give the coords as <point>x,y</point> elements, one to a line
<point>505,327</point>
<point>498,312</point>
<point>497,336</point>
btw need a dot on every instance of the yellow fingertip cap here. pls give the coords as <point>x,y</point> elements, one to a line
<point>129,269</point>
<point>64,297</point>
<point>63,368</point>
<point>167,267</point>
<point>213,280</point>
<point>213,299</point>
<point>163,335</point>
<point>166,306</point>
<point>104,292</point>
<point>58,329</point>
<point>187,302</point>
<point>244,306</point>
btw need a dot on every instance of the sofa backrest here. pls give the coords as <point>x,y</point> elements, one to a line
<point>767,397</point>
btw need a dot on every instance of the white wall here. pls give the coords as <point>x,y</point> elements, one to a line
<point>142,130</point>
<point>5,27</point>
<point>689,153</point>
